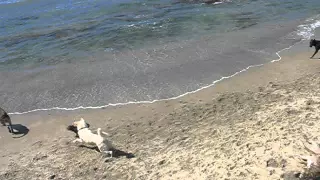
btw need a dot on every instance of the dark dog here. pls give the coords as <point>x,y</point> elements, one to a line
<point>74,129</point>
<point>316,45</point>
<point>5,119</point>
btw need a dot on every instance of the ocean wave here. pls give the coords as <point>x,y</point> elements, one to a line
<point>10,1</point>
<point>306,31</point>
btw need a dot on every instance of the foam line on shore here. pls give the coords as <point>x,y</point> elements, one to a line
<point>156,100</point>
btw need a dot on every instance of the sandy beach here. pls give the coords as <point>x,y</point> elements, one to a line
<point>249,126</point>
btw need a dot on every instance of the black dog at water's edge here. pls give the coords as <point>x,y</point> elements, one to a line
<point>15,129</point>
<point>316,45</point>
<point>5,119</point>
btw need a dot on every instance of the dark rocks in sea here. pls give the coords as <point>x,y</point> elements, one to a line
<point>203,1</point>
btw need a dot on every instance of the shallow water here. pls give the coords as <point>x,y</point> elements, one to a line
<point>58,53</point>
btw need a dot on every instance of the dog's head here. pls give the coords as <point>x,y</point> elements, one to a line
<point>80,124</point>
<point>312,42</point>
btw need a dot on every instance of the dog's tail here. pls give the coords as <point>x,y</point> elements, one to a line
<point>99,131</point>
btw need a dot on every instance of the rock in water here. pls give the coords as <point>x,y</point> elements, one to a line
<point>203,1</point>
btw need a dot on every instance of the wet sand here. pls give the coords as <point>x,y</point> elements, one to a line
<point>246,127</point>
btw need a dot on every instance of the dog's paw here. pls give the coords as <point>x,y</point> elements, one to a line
<point>77,140</point>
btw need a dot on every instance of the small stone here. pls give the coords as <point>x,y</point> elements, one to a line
<point>310,102</point>
<point>272,172</point>
<point>52,176</point>
<point>272,163</point>
<point>308,108</point>
<point>214,131</point>
<point>260,89</point>
<point>39,157</point>
<point>184,138</point>
<point>161,162</point>
<point>311,124</point>
<point>283,163</point>
<point>281,176</point>
<point>219,99</point>
<point>6,174</point>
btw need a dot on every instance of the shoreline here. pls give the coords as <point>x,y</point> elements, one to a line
<point>213,133</point>
<point>166,99</point>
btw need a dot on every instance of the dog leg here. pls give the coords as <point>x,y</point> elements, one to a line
<point>10,127</point>
<point>105,133</point>
<point>311,160</point>
<point>77,140</point>
<point>314,53</point>
<point>109,152</point>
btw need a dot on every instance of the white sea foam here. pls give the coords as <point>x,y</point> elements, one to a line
<point>10,1</point>
<point>130,25</point>
<point>215,3</point>
<point>306,31</point>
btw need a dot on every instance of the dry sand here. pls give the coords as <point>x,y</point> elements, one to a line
<point>246,127</point>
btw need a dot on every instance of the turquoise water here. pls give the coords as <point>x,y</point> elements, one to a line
<point>47,32</point>
<point>59,53</point>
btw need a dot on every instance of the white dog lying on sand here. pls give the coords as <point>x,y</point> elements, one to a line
<point>313,160</point>
<point>86,135</point>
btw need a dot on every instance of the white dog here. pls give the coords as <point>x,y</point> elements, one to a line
<point>86,135</point>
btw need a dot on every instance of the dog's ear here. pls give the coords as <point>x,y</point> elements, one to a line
<point>81,119</point>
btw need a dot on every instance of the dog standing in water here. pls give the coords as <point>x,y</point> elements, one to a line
<point>316,45</point>
<point>5,119</point>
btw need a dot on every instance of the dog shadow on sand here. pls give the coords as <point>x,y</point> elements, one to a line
<point>116,152</point>
<point>20,130</point>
